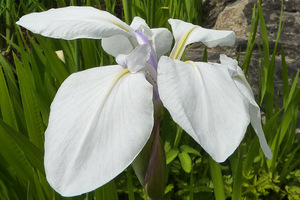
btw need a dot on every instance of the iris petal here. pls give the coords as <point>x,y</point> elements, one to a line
<point>254,110</point>
<point>187,33</point>
<point>100,120</point>
<point>75,22</point>
<point>205,102</point>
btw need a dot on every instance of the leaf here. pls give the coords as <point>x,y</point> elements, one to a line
<point>30,106</point>
<point>171,155</point>
<point>217,179</point>
<point>188,149</point>
<point>6,106</point>
<point>9,75</point>
<point>284,77</point>
<point>57,66</point>
<point>108,191</point>
<point>32,153</point>
<point>14,156</point>
<point>186,161</point>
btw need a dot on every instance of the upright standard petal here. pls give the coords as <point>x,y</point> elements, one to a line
<point>163,40</point>
<point>254,110</point>
<point>205,102</point>
<point>137,22</point>
<point>75,22</point>
<point>136,60</point>
<point>186,33</point>
<point>118,44</point>
<point>100,120</point>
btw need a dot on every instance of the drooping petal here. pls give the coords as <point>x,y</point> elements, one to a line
<point>75,22</point>
<point>254,110</point>
<point>100,120</point>
<point>186,33</point>
<point>205,102</point>
<point>163,40</point>
<point>136,60</point>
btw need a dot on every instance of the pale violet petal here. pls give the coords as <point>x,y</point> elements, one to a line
<point>117,44</point>
<point>75,22</point>
<point>143,39</point>
<point>100,120</point>
<point>254,110</point>
<point>186,33</point>
<point>163,40</point>
<point>205,102</point>
<point>136,60</point>
<point>160,39</point>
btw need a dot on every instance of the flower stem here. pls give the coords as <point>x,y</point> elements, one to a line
<point>178,136</point>
<point>217,179</point>
<point>8,22</point>
<point>127,11</point>
<point>129,184</point>
<point>77,55</point>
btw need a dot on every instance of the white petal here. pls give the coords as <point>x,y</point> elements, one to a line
<point>98,124</point>
<point>186,33</point>
<point>136,60</point>
<point>75,22</point>
<point>137,22</point>
<point>163,40</point>
<point>117,44</point>
<point>206,103</point>
<point>254,110</point>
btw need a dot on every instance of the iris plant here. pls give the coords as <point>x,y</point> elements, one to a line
<point>101,118</point>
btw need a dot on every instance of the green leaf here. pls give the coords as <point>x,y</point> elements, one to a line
<point>10,78</point>
<point>217,179</point>
<point>171,155</point>
<point>33,118</point>
<point>293,88</point>
<point>90,53</point>
<point>108,191</point>
<point>186,161</point>
<point>188,149</point>
<point>285,78</point>
<point>6,106</point>
<point>32,153</point>
<point>14,156</point>
<point>56,65</point>
<point>237,169</point>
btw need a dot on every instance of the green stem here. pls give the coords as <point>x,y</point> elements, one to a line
<point>73,2</point>
<point>77,55</point>
<point>151,12</point>
<point>217,179</point>
<point>8,21</point>
<point>107,191</point>
<point>237,170</point>
<point>127,10</point>
<point>178,136</point>
<point>90,2</point>
<point>129,184</point>
<point>191,196</point>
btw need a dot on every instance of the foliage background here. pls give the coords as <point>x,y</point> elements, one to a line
<point>31,73</point>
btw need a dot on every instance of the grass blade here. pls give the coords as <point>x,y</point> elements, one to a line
<point>32,115</point>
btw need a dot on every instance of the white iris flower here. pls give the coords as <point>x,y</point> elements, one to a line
<point>101,118</point>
